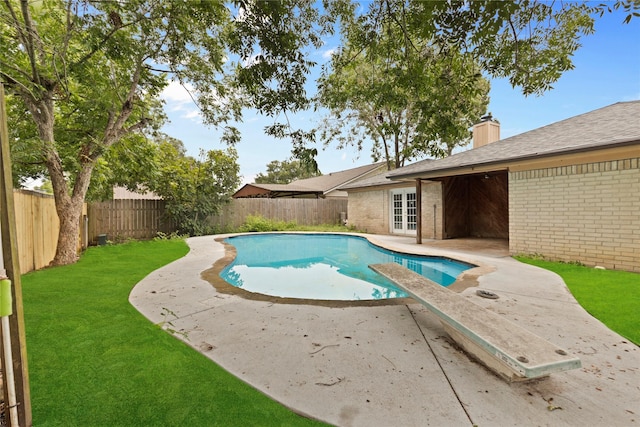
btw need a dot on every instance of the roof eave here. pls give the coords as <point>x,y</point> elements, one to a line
<point>503,164</point>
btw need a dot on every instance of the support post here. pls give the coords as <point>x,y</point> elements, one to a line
<point>12,266</point>
<point>418,211</point>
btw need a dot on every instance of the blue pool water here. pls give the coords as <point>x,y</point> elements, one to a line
<point>324,267</point>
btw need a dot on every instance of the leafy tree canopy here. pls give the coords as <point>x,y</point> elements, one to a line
<point>409,74</point>
<point>410,98</point>
<point>530,42</point>
<point>285,172</point>
<point>194,189</point>
<point>84,76</point>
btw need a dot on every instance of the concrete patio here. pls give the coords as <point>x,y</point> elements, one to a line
<point>392,364</point>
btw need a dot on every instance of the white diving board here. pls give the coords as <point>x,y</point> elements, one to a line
<point>506,348</point>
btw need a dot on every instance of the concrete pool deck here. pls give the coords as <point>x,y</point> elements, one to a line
<point>393,365</point>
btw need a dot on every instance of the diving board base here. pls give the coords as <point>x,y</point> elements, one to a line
<point>509,350</point>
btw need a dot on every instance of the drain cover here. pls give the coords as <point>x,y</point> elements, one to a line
<point>486,294</point>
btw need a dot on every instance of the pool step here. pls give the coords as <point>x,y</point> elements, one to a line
<point>508,349</point>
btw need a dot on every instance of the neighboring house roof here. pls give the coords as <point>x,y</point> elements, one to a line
<point>334,180</point>
<point>370,181</point>
<point>612,126</point>
<point>318,186</point>
<point>377,180</point>
<point>275,191</point>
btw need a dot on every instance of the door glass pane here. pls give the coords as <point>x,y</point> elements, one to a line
<point>412,211</point>
<point>397,211</point>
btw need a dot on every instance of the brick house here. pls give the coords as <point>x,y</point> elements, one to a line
<point>569,191</point>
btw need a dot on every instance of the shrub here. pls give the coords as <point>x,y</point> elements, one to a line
<point>258,223</point>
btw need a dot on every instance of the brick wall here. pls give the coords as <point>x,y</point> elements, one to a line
<point>588,213</point>
<point>432,196</point>
<point>370,210</point>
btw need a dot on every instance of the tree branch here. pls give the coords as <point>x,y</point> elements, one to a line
<point>16,22</point>
<point>31,36</point>
<point>159,70</point>
<point>12,81</point>
<point>104,41</point>
<point>515,39</point>
<point>115,127</point>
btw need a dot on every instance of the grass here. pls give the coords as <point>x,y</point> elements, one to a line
<point>95,361</point>
<point>613,297</point>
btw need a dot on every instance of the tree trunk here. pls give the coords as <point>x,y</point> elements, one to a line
<point>69,209</point>
<point>67,249</point>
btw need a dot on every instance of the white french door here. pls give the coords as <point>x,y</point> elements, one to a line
<point>404,211</point>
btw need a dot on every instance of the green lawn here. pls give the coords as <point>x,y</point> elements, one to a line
<point>611,296</point>
<point>95,361</point>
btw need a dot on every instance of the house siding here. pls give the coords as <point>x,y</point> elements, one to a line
<point>370,210</point>
<point>589,213</point>
<point>432,227</point>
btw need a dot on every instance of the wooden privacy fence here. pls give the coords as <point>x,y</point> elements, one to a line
<point>123,219</point>
<point>37,223</point>
<point>37,227</point>
<point>302,211</point>
<point>142,219</point>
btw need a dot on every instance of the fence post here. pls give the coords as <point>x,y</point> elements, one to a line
<point>11,265</point>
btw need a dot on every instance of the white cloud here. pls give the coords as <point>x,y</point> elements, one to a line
<point>327,53</point>
<point>179,100</point>
<point>175,92</point>
<point>192,114</point>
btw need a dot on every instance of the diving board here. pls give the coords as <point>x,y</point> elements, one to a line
<point>506,348</point>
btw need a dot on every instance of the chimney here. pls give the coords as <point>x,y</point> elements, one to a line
<point>486,132</point>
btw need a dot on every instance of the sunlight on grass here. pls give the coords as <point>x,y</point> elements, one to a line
<point>96,361</point>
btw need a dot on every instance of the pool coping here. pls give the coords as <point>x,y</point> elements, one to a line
<point>393,364</point>
<point>466,279</point>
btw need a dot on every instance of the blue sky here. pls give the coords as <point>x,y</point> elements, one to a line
<point>607,70</point>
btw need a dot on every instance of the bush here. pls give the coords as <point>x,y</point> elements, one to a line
<point>174,235</point>
<point>258,223</point>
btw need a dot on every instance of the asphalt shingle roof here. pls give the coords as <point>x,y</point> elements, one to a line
<point>317,185</point>
<point>333,180</point>
<point>616,124</point>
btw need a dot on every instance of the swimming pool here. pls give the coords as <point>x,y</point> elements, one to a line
<point>324,267</point>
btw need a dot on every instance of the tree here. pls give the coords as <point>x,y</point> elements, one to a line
<point>88,74</point>
<point>132,163</point>
<point>45,187</point>
<point>194,189</point>
<point>285,172</point>
<point>410,101</point>
<point>531,42</point>
<point>374,90</point>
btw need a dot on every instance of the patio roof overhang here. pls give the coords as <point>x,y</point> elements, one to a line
<point>565,157</point>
